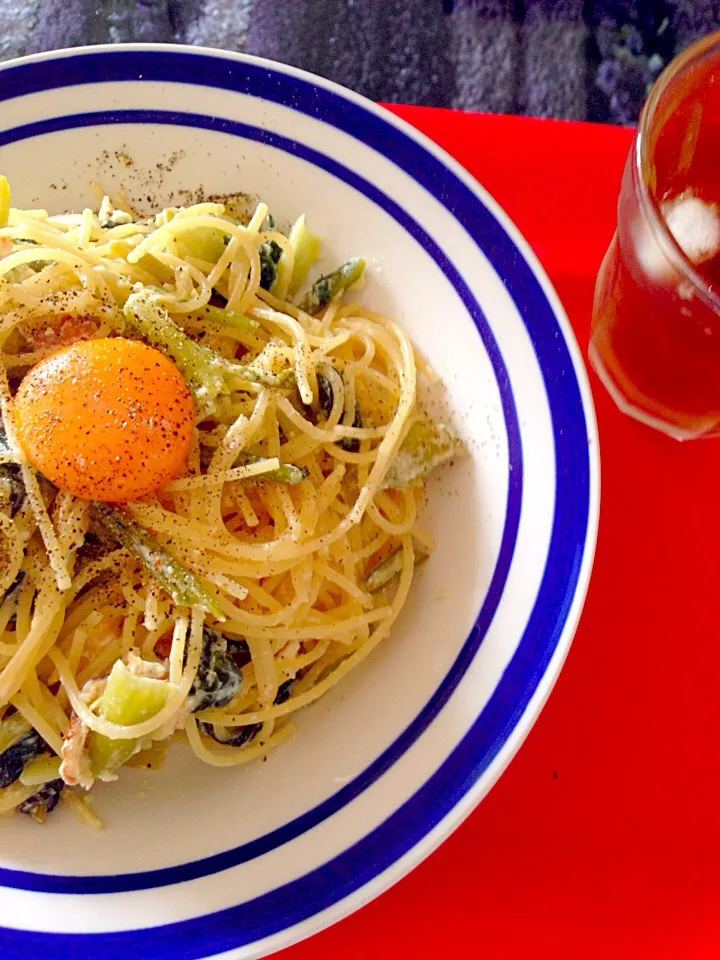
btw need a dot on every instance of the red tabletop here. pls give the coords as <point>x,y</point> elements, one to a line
<point>602,839</point>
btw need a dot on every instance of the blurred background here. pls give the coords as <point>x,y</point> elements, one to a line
<point>575,59</point>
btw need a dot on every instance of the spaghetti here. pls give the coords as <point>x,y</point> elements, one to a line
<point>256,576</point>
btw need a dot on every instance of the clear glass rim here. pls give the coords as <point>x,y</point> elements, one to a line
<point>642,166</point>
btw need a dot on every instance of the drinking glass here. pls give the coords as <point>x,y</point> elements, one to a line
<point>655,340</point>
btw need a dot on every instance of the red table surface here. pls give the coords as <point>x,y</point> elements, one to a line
<point>602,839</point>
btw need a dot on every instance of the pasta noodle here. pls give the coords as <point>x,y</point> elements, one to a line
<point>251,581</point>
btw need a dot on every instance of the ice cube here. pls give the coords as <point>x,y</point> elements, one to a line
<point>695,225</point>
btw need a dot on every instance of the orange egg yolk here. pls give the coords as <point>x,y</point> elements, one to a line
<point>107,419</point>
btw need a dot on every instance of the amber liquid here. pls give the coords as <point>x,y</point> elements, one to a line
<point>655,341</point>
<point>659,359</point>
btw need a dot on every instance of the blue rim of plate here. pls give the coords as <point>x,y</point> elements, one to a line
<point>319,889</point>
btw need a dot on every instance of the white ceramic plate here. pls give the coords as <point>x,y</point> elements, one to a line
<point>193,861</point>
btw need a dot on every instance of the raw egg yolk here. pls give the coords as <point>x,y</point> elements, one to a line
<point>106,419</point>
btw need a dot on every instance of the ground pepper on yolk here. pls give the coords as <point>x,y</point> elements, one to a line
<point>108,419</point>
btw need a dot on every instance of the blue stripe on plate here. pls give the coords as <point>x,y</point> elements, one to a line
<point>313,892</point>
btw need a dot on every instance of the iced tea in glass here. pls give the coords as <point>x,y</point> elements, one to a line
<point>655,338</point>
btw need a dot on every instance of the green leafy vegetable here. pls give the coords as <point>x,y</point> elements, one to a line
<point>326,399</point>
<point>306,247</point>
<point>12,488</point>
<point>180,583</point>
<point>22,744</point>
<point>427,444</point>
<point>227,317</point>
<point>40,770</point>
<point>352,444</point>
<point>270,253</point>
<point>271,367</point>
<point>239,736</point>
<point>218,678</point>
<point>326,394</point>
<point>207,373</point>
<point>332,284</point>
<point>285,473</point>
<point>40,804</point>
<point>202,243</point>
<point>11,729</point>
<point>391,567</point>
<point>383,573</point>
<point>126,700</point>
